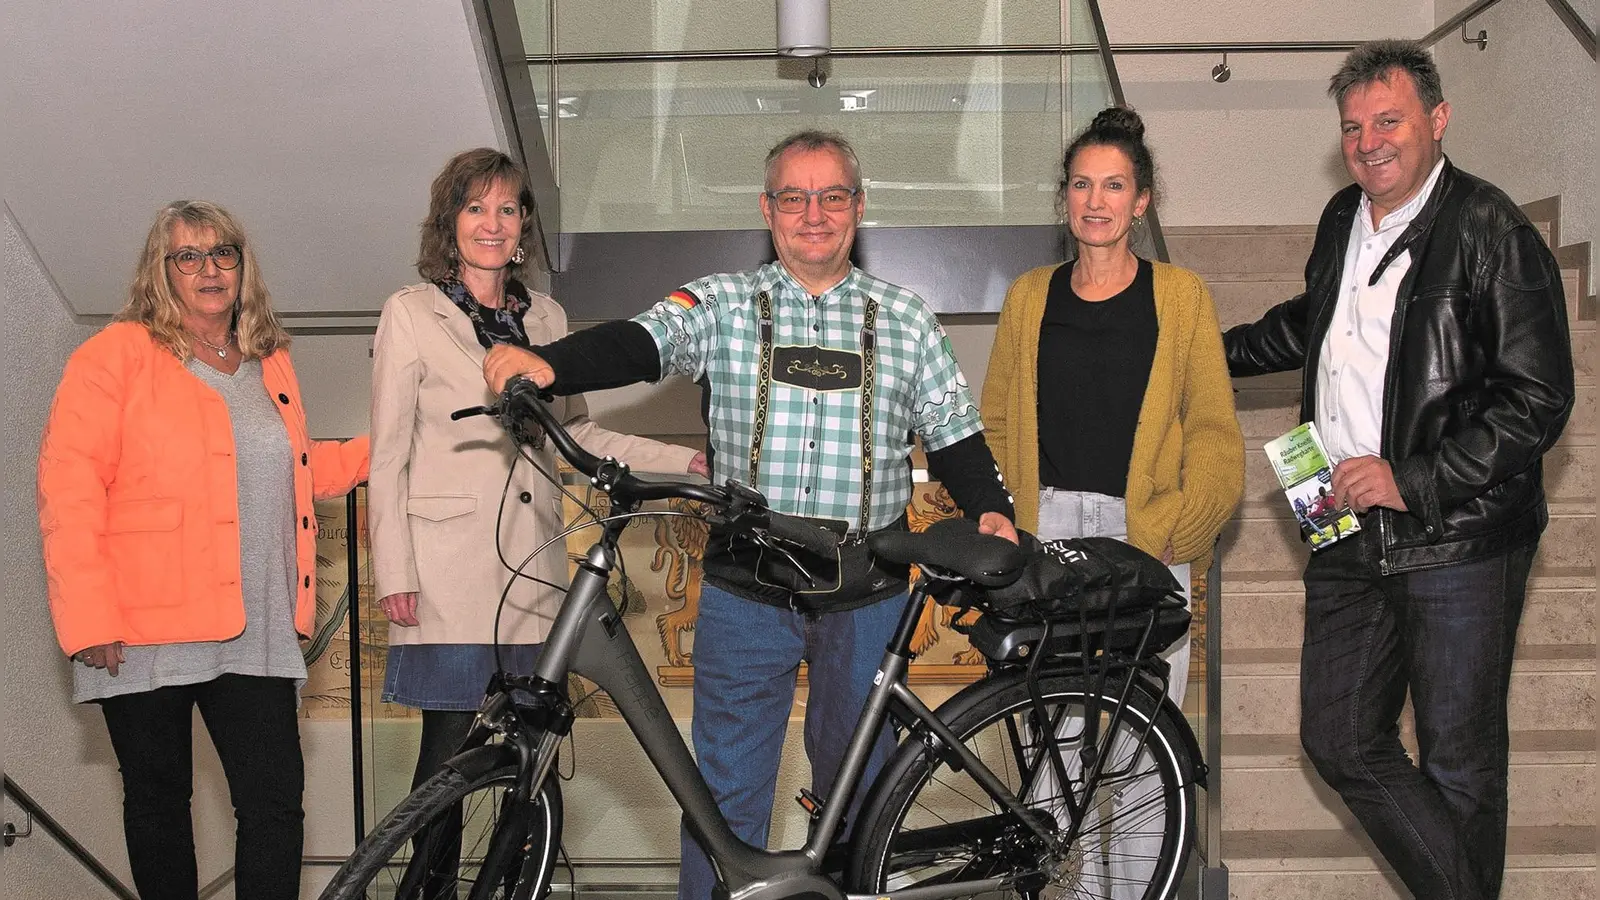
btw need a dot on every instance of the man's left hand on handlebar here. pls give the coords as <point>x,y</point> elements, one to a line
<point>505,361</point>
<point>998,525</point>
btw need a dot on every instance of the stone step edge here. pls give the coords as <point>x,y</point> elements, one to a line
<point>1559,507</point>
<point>1298,277</point>
<point>1322,850</point>
<point>1258,582</point>
<point>1254,752</point>
<point>1258,661</point>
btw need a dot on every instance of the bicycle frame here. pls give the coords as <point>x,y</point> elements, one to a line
<point>589,638</point>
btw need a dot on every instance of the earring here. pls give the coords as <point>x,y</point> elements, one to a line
<point>518,257</point>
<point>1138,221</point>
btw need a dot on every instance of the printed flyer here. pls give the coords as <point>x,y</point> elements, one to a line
<point>1307,478</point>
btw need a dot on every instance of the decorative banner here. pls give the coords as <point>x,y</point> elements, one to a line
<point>326,694</point>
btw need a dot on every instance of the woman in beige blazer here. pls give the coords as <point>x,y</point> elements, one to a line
<point>438,487</point>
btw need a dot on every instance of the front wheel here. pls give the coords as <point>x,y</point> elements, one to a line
<point>928,824</point>
<point>458,835</point>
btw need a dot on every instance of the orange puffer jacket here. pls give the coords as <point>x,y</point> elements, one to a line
<point>138,496</point>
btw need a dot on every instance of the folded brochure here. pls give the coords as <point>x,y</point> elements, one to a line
<point>1307,478</point>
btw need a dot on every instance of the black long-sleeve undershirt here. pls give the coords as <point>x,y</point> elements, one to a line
<point>968,471</point>
<point>609,355</point>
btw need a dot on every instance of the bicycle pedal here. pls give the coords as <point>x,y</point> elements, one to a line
<point>809,802</point>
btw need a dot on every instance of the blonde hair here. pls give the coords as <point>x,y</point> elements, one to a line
<point>153,303</point>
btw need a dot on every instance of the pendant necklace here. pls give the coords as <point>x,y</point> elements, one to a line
<point>222,352</point>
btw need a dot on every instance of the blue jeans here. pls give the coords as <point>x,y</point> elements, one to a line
<point>746,658</point>
<point>1448,635</point>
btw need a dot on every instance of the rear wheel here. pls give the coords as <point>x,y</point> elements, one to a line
<point>930,824</point>
<point>414,854</point>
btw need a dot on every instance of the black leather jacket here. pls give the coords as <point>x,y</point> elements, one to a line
<point>1479,381</point>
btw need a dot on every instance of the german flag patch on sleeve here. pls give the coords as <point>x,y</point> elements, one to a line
<point>684,298</point>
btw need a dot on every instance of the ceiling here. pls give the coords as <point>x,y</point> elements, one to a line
<point>320,125</point>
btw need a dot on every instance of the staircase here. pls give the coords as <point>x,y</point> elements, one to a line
<point>1286,836</point>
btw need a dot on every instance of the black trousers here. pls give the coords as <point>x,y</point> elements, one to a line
<point>253,724</point>
<point>1445,636</point>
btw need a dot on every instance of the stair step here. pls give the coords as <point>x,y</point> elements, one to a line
<point>1247,248</point>
<point>1270,785</point>
<point>1550,683</point>
<point>1542,863</point>
<point>1270,405</point>
<point>1569,474</point>
<point>1558,611</point>
<point>1257,541</point>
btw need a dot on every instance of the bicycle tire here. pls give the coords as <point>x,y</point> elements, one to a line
<point>926,824</point>
<point>388,864</point>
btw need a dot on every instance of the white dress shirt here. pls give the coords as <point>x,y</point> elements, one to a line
<point>1355,352</point>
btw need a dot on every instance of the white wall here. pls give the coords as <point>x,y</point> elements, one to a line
<point>1523,110</point>
<point>300,116</point>
<point>1262,148</point>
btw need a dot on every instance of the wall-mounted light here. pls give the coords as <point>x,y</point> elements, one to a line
<point>803,28</point>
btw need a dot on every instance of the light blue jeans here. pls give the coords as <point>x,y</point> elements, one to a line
<point>747,656</point>
<point>1118,867</point>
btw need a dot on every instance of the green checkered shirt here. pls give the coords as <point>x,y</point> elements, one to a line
<point>811,454</point>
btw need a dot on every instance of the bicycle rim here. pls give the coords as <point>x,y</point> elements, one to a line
<point>938,826</point>
<point>411,855</point>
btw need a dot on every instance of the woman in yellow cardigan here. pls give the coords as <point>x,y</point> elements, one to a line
<point>1107,401</point>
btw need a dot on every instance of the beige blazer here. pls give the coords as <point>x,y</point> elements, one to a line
<point>436,485</point>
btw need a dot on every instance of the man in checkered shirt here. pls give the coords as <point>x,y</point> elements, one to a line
<point>800,437</point>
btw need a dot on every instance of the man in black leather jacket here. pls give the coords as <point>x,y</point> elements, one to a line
<point>1438,368</point>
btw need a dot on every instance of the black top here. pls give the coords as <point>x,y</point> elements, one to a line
<point>1094,363</point>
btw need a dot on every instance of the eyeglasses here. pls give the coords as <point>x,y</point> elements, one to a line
<point>832,199</point>
<point>190,261</point>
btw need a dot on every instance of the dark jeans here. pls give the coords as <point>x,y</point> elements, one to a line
<point>253,724</point>
<point>1447,634</point>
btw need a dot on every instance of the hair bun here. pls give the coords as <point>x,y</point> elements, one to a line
<point>1118,119</point>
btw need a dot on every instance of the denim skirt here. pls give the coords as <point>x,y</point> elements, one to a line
<point>449,676</point>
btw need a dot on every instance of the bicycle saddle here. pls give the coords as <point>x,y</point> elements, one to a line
<point>954,545</point>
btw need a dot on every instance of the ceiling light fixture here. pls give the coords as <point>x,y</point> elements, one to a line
<point>803,28</point>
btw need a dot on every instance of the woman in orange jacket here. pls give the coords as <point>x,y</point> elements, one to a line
<point>176,481</point>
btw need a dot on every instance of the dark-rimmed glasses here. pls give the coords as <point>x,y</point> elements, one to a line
<point>831,199</point>
<point>190,261</point>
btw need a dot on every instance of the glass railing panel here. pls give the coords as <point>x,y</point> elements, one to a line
<point>944,140</point>
<point>533,20</point>
<point>674,25</point>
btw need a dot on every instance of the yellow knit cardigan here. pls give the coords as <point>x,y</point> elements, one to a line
<point>1186,472</point>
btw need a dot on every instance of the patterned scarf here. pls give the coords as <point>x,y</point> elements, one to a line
<point>493,326</point>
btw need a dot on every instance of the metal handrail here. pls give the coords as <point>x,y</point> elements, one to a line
<point>1114,82</point>
<point>1448,26</point>
<point>1561,8</point>
<point>1575,24</point>
<point>47,822</point>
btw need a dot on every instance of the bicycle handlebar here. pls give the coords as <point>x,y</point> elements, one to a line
<point>742,508</point>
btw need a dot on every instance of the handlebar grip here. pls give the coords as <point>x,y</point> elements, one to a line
<point>801,533</point>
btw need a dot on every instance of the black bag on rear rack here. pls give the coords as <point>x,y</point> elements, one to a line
<point>1082,576</point>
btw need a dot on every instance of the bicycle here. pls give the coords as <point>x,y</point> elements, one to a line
<point>1016,784</point>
